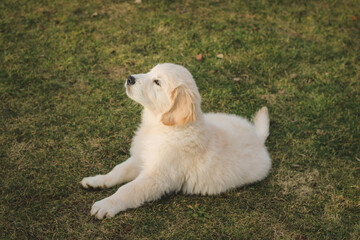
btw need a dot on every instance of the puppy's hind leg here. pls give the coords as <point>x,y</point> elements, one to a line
<point>124,172</point>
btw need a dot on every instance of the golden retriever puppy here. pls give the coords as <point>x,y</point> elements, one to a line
<point>179,148</point>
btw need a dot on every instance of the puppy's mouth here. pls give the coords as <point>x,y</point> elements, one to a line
<point>128,89</point>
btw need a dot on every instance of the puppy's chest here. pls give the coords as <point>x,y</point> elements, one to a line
<point>155,145</point>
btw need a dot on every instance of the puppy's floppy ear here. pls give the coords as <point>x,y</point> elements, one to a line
<point>182,109</point>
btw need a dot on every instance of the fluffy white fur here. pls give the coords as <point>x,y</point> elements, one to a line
<point>179,148</point>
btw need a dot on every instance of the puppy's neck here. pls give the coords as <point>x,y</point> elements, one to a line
<point>150,119</point>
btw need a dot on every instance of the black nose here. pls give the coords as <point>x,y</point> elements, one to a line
<point>130,80</point>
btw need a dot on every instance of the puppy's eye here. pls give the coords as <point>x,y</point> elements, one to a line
<point>157,82</point>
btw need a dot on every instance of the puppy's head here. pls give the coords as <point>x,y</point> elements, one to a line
<point>169,91</point>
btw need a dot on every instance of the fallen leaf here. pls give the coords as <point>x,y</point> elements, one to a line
<point>237,79</point>
<point>354,18</point>
<point>199,57</point>
<point>281,91</point>
<point>94,14</point>
<point>138,1</point>
<point>295,165</point>
<point>220,55</point>
<point>294,75</point>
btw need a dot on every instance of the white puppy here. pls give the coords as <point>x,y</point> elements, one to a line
<point>179,148</point>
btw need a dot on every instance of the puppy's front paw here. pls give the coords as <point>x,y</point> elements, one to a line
<point>105,208</point>
<point>94,182</point>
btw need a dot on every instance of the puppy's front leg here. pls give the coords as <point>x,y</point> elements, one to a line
<point>124,172</point>
<point>144,188</point>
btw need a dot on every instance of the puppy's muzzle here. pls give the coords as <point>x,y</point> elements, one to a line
<point>130,80</point>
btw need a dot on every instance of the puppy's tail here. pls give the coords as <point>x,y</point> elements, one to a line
<point>262,123</point>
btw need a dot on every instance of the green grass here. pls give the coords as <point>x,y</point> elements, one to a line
<point>64,114</point>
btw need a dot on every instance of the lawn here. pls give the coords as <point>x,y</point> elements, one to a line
<point>64,114</point>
